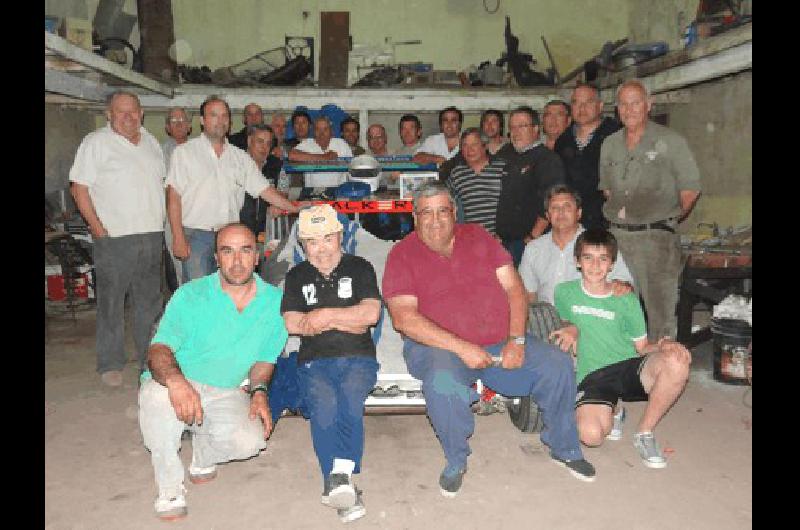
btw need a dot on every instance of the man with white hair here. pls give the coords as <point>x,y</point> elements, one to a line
<point>331,300</point>
<point>323,147</point>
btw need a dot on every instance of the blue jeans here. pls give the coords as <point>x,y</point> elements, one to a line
<point>201,259</point>
<point>547,375</point>
<point>333,391</point>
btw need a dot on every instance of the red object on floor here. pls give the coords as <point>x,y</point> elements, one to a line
<point>57,292</point>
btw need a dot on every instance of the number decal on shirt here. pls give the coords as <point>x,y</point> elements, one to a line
<point>310,293</point>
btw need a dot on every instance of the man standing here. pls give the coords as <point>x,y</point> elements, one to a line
<point>301,126</point>
<point>178,126</point>
<point>549,261</point>
<point>206,184</point>
<point>321,148</point>
<point>453,293</point>
<point>331,300</point>
<point>351,130</point>
<point>410,131</point>
<point>476,183</point>
<point>215,332</point>
<point>579,148</point>
<point>555,120</point>
<point>117,183</point>
<point>254,209</point>
<point>492,126</point>
<point>651,181</point>
<point>278,124</point>
<point>253,115</point>
<point>532,169</point>
<point>443,146</point>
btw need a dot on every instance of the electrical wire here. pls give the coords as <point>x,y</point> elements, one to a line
<point>496,7</point>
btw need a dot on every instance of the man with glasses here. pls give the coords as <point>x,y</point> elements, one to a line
<point>531,170</point>
<point>452,291</point>
<point>178,125</point>
<point>579,149</point>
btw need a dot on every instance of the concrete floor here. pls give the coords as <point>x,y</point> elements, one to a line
<point>98,474</point>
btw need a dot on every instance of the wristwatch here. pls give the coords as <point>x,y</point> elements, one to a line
<point>517,339</point>
<point>261,387</point>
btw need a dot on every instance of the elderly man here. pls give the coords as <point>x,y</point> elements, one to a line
<point>260,139</point>
<point>331,300</point>
<point>492,126</point>
<point>555,120</point>
<point>215,332</point>
<point>253,115</point>
<point>321,148</point>
<point>443,146</point>
<point>351,130</point>
<point>651,183</point>
<point>206,185</point>
<point>532,169</point>
<point>117,183</point>
<point>453,292</point>
<point>410,130</point>
<point>278,124</point>
<point>548,260</point>
<point>476,183</point>
<point>178,127</point>
<point>301,126</point>
<point>579,148</point>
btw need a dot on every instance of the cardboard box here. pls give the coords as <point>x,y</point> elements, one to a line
<point>77,31</point>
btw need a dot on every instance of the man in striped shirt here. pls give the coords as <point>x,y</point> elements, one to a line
<point>476,184</point>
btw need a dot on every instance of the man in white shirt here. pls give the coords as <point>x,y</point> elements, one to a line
<point>322,148</point>
<point>410,130</point>
<point>206,183</point>
<point>178,126</point>
<point>549,259</point>
<point>443,146</point>
<point>117,183</point>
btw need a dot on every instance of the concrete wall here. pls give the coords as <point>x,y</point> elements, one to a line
<point>657,20</point>
<point>64,130</point>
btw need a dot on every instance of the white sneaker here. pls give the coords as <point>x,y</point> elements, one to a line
<point>616,431</point>
<point>201,475</point>
<point>170,507</point>
<point>356,511</point>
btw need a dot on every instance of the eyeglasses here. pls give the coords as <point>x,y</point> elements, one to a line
<point>441,211</point>
<point>178,120</point>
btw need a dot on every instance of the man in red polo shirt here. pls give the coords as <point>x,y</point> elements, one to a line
<point>454,294</point>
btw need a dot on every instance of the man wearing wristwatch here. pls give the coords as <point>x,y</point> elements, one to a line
<point>216,331</point>
<point>453,292</point>
<point>331,300</point>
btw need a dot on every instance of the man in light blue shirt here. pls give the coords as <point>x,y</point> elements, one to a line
<point>216,331</point>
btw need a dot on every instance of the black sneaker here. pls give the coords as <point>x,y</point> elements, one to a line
<point>356,511</point>
<point>341,493</point>
<point>450,481</point>
<point>580,469</point>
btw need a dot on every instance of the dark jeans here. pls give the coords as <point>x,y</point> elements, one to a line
<point>515,247</point>
<point>126,265</point>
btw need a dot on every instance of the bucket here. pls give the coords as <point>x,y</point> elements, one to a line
<point>733,357</point>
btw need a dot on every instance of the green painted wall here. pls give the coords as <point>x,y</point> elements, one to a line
<point>454,33</point>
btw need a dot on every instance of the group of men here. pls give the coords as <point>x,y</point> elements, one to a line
<point>452,289</point>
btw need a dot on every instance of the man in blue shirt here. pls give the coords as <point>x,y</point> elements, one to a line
<point>216,331</point>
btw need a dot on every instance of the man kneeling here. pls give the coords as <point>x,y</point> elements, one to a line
<point>612,332</point>
<point>216,331</point>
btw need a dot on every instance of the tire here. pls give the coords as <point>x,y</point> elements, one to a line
<point>525,414</point>
<point>543,319</point>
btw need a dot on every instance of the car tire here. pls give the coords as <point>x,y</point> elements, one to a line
<point>525,414</point>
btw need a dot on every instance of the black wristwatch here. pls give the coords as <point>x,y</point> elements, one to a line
<point>261,387</point>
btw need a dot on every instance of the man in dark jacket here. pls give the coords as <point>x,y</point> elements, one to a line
<point>259,144</point>
<point>253,115</point>
<point>579,148</point>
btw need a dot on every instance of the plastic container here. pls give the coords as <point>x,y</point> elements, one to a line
<point>733,356</point>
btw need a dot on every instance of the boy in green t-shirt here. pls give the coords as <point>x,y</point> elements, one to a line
<point>614,359</point>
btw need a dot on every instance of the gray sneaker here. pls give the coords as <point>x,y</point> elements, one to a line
<point>356,511</point>
<point>341,493</point>
<point>171,506</point>
<point>651,454</point>
<point>580,469</point>
<point>616,430</point>
<point>450,481</point>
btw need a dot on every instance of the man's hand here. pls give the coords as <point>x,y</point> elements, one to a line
<point>476,358</point>
<point>185,400</point>
<point>619,288</point>
<point>181,248</point>
<point>260,408</point>
<point>566,338</point>
<point>98,231</point>
<point>330,155</point>
<point>315,322</point>
<point>274,211</point>
<point>513,355</point>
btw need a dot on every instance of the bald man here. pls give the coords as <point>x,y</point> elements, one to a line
<point>253,115</point>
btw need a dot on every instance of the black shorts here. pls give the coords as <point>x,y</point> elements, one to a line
<point>605,386</point>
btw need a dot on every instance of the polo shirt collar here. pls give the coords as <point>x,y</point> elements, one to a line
<point>216,286</point>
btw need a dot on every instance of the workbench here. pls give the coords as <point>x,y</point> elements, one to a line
<point>708,277</point>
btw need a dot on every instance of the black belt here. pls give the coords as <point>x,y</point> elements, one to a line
<point>658,225</point>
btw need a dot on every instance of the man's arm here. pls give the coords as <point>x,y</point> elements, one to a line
<point>276,198</point>
<point>688,200</point>
<point>427,158</point>
<point>165,370</point>
<point>180,247</point>
<point>354,319</point>
<point>295,155</point>
<point>80,192</point>
<point>514,354</point>
<point>407,319</point>
<point>260,375</point>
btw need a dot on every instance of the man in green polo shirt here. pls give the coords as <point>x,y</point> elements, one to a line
<point>216,331</point>
<point>651,183</point>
